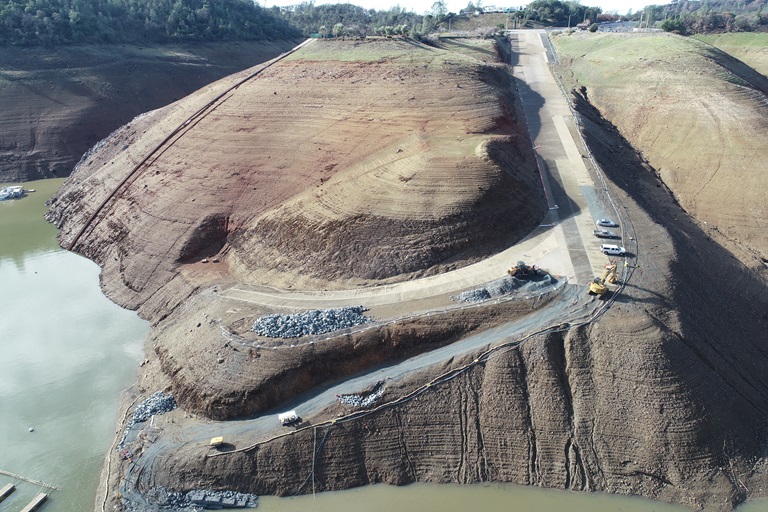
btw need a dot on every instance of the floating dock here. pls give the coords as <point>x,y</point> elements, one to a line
<point>35,503</point>
<point>6,491</point>
<point>30,480</point>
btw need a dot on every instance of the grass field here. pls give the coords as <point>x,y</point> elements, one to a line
<point>690,111</point>
<point>749,47</point>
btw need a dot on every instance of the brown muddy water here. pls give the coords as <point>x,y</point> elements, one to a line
<point>67,352</point>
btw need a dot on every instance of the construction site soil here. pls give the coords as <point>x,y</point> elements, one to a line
<point>355,163</point>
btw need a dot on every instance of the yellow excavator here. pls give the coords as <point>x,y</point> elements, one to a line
<point>598,286</point>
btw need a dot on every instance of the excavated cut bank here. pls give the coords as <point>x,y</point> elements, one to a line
<point>345,162</point>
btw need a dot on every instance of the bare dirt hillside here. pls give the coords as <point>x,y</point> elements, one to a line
<point>696,114</point>
<point>58,102</point>
<point>343,163</point>
<point>362,162</point>
<point>664,396</point>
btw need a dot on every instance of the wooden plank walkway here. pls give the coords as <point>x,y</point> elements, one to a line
<point>35,503</point>
<point>6,491</point>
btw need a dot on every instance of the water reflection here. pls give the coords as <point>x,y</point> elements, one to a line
<point>23,231</point>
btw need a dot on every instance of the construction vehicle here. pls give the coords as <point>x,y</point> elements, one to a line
<point>599,285</point>
<point>217,441</point>
<point>289,418</point>
<point>604,233</point>
<point>523,271</point>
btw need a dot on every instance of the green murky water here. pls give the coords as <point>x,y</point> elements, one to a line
<point>67,352</point>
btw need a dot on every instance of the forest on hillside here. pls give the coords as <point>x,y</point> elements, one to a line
<point>707,16</point>
<point>349,20</point>
<point>56,22</point>
<point>558,13</point>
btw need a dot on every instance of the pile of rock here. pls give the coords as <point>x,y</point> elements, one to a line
<point>503,286</point>
<point>197,499</point>
<point>363,401</point>
<point>221,499</point>
<point>316,321</point>
<point>156,403</point>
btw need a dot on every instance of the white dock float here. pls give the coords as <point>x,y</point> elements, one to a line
<point>35,504</point>
<point>6,491</point>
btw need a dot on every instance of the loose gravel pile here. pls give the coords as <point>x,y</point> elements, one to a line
<point>316,321</point>
<point>156,403</point>
<point>503,286</point>
<point>364,401</point>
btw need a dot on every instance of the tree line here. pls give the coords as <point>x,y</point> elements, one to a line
<point>56,22</point>
<point>348,20</point>
<point>708,16</point>
<point>558,13</point>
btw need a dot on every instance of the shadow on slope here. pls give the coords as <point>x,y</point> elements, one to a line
<point>714,308</point>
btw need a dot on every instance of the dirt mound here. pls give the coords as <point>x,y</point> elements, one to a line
<point>665,396</point>
<point>222,379</point>
<point>696,114</point>
<point>58,102</point>
<point>347,161</point>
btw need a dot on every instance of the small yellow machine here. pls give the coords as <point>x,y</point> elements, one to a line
<point>598,286</point>
<point>217,441</point>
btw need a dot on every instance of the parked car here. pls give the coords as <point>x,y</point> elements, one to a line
<point>604,233</point>
<point>613,250</point>
<point>606,223</point>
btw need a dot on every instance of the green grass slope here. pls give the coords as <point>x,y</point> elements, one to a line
<point>697,115</point>
<point>749,47</point>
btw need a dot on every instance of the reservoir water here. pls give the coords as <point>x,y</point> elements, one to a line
<point>67,352</point>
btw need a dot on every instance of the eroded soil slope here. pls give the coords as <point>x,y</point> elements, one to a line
<point>59,102</point>
<point>347,162</point>
<point>664,396</point>
<point>696,114</point>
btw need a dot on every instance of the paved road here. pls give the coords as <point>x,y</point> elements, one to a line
<point>568,183</point>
